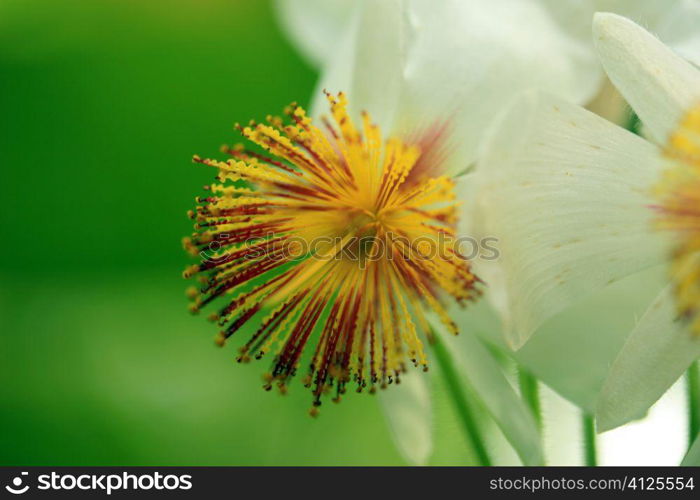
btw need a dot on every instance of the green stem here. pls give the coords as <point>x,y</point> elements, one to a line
<point>589,440</point>
<point>530,392</point>
<point>634,125</point>
<point>693,402</point>
<point>460,401</point>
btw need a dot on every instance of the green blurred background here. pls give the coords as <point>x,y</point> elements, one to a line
<point>103,103</point>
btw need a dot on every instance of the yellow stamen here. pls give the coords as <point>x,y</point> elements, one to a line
<point>326,238</point>
<point>679,195</point>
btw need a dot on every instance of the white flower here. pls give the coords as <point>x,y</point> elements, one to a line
<point>315,26</point>
<point>554,31</point>
<point>443,70</point>
<point>417,65</point>
<point>571,197</point>
<point>675,22</point>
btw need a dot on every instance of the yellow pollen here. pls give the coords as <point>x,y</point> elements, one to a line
<point>326,247</point>
<point>679,196</point>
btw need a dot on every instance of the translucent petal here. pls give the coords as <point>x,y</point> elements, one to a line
<point>572,352</point>
<point>466,59</point>
<point>368,61</point>
<point>675,22</point>
<point>314,25</point>
<point>654,356</point>
<point>659,84</point>
<point>692,458</point>
<point>566,194</point>
<point>480,371</point>
<point>416,65</point>
<point>408,411</point>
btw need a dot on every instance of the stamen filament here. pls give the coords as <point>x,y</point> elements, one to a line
<point>313,238</point>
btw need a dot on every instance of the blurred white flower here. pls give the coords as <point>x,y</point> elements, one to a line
<point>675,22</point>
<point>551,35</point>
<point>315,26</point>
<point>444,70</point>
<point>451,66</point>
<point>575,201</point>
<point>386,63</point>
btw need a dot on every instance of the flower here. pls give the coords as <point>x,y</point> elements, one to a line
<point>557,31</point>
<point>315,26</point>
<point>453,65</point>
<point>316,240</point>
<point>580,203</point>
<point>411,66</point>
<point>415,62</point>
<point>678,195</point>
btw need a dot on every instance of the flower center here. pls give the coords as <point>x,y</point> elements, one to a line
<point>679,195</point>
<point>318,236</point>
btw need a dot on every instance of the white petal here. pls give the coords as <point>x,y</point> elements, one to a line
<point>408,412</point>
<point>675,22</point>
<point>458,62</point>
<point>659,84</point>
<point>655,355</point>
<point>572,352</point>
<point>368,63</point>
<point>480,371</point>
<point>314,25</point>
<point>692,458</point>
<point>659,439</point>
<point>566,194</point>
<point>468,58</point>
<point>679,29</point>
